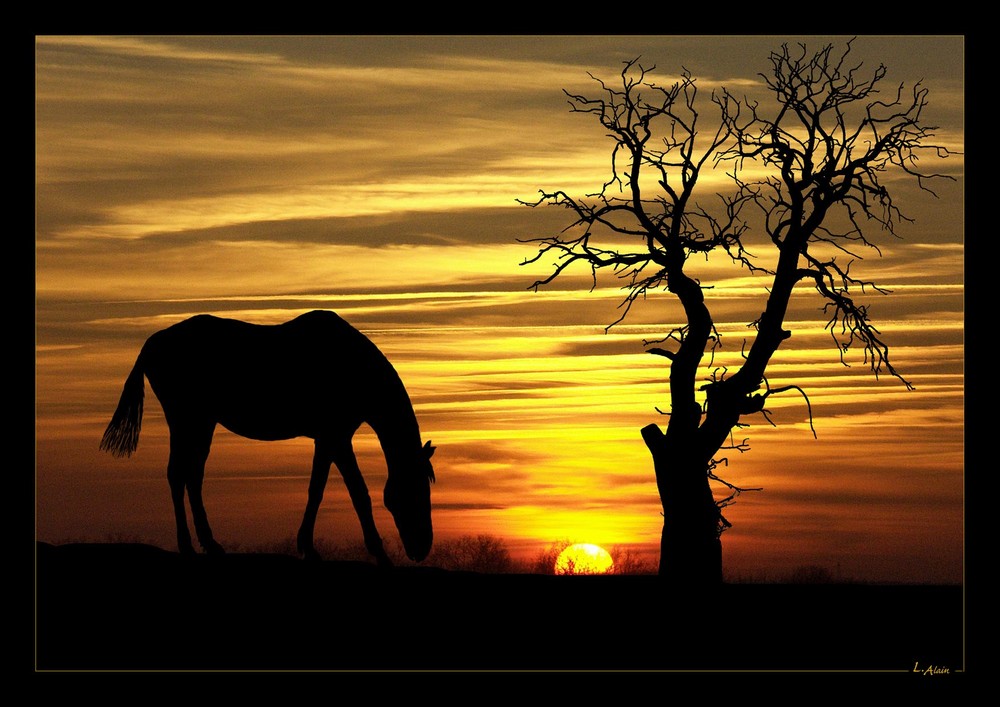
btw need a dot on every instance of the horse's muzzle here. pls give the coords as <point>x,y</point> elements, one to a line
<point>419,550</point>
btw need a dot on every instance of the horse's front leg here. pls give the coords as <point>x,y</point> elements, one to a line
<point>317,484</point>
<point>347,463</point>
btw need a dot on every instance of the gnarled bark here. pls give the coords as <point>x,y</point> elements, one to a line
<point>690,548</point>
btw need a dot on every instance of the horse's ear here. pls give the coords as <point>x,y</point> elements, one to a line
<point>429,449</point>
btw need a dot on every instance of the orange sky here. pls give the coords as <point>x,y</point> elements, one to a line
<point>259,177</point>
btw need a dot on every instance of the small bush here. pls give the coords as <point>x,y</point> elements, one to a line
<point>811,574</point>
<point>628,562</point>
<point>479,553</point>
<point>545,562</point>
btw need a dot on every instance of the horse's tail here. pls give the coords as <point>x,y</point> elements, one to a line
<point>122,436</point>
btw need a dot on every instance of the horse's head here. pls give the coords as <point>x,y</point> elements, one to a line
<point>407,495</point>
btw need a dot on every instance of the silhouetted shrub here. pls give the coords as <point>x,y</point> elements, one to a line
<point>479,553</point>
<point>327,550</point>
<point>545,562</point>
<point>811,574</point>
<point>628,562</point>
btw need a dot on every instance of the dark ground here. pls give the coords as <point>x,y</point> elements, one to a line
<point>136,607</point>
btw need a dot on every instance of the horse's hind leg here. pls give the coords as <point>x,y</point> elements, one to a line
<point>186,469</point>
<point>176,480</point>
<point>198,514</point>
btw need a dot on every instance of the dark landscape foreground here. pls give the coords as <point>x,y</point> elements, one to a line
<point>137,607</point>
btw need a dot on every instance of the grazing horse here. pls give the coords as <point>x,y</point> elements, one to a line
<point>315,376</point>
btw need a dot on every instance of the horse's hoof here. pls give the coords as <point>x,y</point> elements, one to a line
<point>214,548</point>
<point>311,556</point>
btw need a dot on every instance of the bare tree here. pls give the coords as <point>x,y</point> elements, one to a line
<point>824,148</point>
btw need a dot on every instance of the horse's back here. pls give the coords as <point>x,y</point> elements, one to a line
<point>205,335</point>
<point>266,381</point>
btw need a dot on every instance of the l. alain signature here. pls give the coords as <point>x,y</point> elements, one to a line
<point>930,669</point>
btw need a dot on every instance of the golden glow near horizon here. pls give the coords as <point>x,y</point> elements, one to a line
<point>259,178</point>
<point>584,558</point>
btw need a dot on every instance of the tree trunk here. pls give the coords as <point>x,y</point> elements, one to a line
<point>690,549</point>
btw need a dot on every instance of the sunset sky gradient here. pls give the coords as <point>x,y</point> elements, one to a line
<point>262,177</point>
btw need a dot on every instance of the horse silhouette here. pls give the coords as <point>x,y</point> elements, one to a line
<point>315,376</point>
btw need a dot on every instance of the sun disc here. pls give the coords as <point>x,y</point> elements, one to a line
<point>584,558</point>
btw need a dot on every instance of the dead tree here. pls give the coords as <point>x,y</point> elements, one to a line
<point>824,145</point>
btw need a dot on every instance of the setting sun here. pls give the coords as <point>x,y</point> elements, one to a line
<point>584,558</point>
